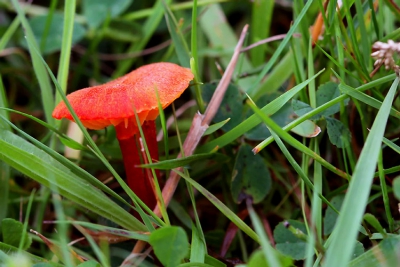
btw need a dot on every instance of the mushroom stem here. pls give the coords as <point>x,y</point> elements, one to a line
<point>138,180</point>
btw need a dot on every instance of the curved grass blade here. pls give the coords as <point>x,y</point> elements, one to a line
<point>269,252</point>
<point>65,55</point>
<point>11,250</point>
<point>366,99</point>
<point>214,127</point>
<point>108,230</point>
<point>71,142</point>
<point>221,206</point>
<point>181,47</point>
<point>41,167</point>
<point>67,163</point>
<point>295,143</point>
<point>38,66</point>
<point>4,168</point>
<point>254,120</point>
<point>149,26</point>
<point>325,106</point>
<point>181,162</point>
<point>339,252</point>
<point>253,89</point>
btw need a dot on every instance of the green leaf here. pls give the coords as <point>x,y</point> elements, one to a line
<point>54,37</point>
<point>384,254</point>
<point>12,233</point>
<point>282,117</point>
<point>257,259</point>
<point>339,135</point>
<point>170,245</point>
<point>40,166</point>
<point>331,215</point>
<point>326,93</point>
<point>97,11</point>
<point>198,248</point>
<point>307,129</point>
<point>373,221</point>
<point>301,108</point>
<point>214,127</point>
<point>396,187</point>
<point>231,106</point>
<point>250,176</point>
<point>358,250</point>
<point>289,244</point>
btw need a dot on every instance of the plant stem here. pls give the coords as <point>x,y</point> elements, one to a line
<point>138,180</point>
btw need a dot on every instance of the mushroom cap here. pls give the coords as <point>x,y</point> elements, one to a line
<point>113,103</point>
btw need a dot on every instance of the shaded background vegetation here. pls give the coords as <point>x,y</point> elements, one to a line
<point>112,38</point>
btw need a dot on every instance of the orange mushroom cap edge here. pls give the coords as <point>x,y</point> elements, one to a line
<point>115,102</point>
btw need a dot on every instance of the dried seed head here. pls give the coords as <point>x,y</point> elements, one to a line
<point>383,54</point>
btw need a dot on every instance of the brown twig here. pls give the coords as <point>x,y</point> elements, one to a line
<point>268,40</point>
<point>114,57</point>
<point>178,113</point>
<point>200,122</point>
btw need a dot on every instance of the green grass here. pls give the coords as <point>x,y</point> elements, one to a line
<point>326,200</point>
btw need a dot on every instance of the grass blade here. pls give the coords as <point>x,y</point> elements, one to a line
<point>38,165</point>
<point>339,252</point>
<point>181,47</point>
<point>38,66</point>
<point>148,29</point>
<point>221,206</point>
<point>327,105</point>
<point>4,168</point>
<point>269,253</point>
<point>253,89</point>
<point>254,120</point>
<point>63,67</point>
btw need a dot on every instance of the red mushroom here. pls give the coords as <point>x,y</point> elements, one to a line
<point>115,102</point>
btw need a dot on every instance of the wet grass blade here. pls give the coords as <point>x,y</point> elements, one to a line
<point>181,47</point>
<point>366,99</point>
<point>41,167</point>
<point>4,168</point>
<point>325,106</point>
<point>38,66</point>
<point>63,67</point>
<point>348,223</point>
<point>254,120</point>
<point>221,206</point>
